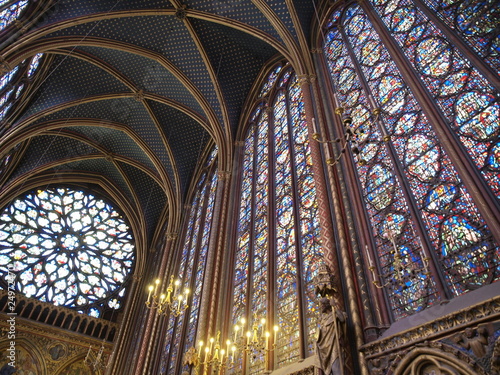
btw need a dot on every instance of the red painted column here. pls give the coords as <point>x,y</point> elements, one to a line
<point>146,344</point>
<point>325,218</point>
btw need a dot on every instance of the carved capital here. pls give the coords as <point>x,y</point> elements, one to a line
<point>306,78</point>
<point>171,236</point>
<point>303,78</point>
<point>239,143</point>
<point>224,175</point>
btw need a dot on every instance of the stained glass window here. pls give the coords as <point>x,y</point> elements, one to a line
<point>192,265</point>
<point>14,82</point>
<point>278,231</point>
<point>470,104</point>
<point>476,22</point>
<point>67,247</point>
<point>419,208</point>
<point>10,11</point>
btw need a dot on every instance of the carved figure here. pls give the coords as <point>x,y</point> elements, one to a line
<point>475,342</point>
<point>330,342</point>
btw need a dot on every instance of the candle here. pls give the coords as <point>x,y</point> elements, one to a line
<point>88,353</point>
<point>267,340</point>
<point>149,294</point>
<point>314,126</point>
<point>207,350</point>
<point>249,334</point>
<point>370,263</point>
<point>157,282</point>
<point>242,321</point>
<point>233,349</point>
<point>180,301</point>
<point>236,328</point>
<point>211,343</point>
<point>228,343</point>
<point>176,284</point>
<point>276,328</point>
<point>99,354</point>
<point>222,352</point>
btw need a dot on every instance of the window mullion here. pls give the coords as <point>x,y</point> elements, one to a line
<point>271,265</point>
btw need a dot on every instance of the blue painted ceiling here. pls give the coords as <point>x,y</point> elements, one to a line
<point>138,88</point>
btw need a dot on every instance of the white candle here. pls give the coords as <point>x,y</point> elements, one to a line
<point>233,349</point>
<point>207,350</point>
<point>149,294</point>
<point>370,263</point>
<point>236,328</point>
<point>211,343</point>
<point>157,282</point>
<point>276,328</point>
<point>314,126</point>
<point>243,321</point>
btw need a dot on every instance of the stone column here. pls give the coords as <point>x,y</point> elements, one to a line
<point>309,85</point>
<point>147,340</point>
<point>212,291</point>
<point>325,219</point>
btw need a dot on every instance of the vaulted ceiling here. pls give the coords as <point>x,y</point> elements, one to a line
<point>131,94</point>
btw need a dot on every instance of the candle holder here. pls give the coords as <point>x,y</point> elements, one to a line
<point>396,277</point>
<point>256,342</point>
<point>173,300</point>
<point>216,357</point>
<point>95,361</point>
<point>210,357</point>
<point>349,138</point>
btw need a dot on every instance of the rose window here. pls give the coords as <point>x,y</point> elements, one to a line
<point>67,247</point>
